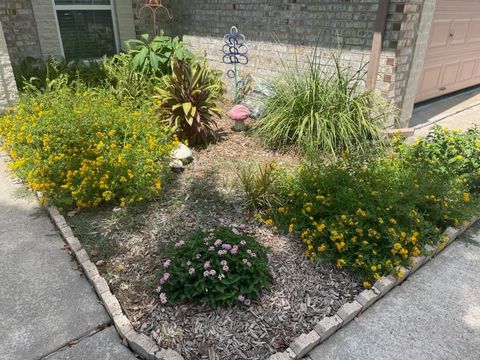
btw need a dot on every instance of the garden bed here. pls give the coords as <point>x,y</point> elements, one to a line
<point>128,246</point>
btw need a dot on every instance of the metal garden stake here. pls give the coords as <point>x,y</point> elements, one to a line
<point>235,52</point>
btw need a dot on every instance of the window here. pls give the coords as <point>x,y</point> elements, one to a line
<point>87,28</point>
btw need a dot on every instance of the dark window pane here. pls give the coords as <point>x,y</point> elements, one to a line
<point>86,34</point>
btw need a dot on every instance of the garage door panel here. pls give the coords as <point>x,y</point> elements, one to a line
<point>474,31</point>
<point>460,31</point>
<point>453,53</point>
<point>468,70</point>
<point>431,78</point>
<point>476,73</point>
<point>450,74</point>
<point>439,33</point>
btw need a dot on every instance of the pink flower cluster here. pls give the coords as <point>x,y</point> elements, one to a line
<point>244,300</point>
<point>164,278</point>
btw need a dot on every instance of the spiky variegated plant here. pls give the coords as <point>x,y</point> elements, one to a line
<point>188,100</point>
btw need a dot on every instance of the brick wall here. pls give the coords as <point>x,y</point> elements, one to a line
<point>8,88</point>
<point>291,29</point>
<point>19,29</point>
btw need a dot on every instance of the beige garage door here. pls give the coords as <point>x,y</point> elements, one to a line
<point>452,61</point>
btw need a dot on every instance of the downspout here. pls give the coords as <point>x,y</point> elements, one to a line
<point>379,32</point>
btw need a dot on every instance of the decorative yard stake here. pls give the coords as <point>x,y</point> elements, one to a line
<point>153,6</point>
<point>235,52</point>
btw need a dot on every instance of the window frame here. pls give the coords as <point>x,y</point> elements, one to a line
<point>110,7</point>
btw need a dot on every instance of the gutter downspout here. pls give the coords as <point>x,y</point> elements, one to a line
<point>380,24</point>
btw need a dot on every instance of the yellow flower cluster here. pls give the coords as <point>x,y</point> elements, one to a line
<point>85,149</point>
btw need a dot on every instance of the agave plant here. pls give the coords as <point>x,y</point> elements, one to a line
<point>188,100</point>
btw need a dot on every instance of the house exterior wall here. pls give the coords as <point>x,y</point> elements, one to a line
<point>8,87</point>
<point>289,31</point>
<point>47,29</point>
<point>19,29</point>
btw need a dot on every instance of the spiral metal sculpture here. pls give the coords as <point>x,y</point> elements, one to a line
<point>235,52</point>
<point>154,6</point>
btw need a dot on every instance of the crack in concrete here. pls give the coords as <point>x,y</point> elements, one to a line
<point>77,340</point>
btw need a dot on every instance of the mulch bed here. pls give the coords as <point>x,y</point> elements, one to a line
<point>128,246</point>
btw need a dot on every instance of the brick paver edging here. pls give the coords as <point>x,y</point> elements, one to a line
<point>347,312</point>
<point>140,343</point>
<point>144,346</point>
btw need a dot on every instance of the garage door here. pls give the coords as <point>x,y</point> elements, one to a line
<point>452,61</point>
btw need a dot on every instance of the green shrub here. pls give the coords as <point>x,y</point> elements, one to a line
<point>81,147</point>
<point>316,110</point>
<point>153,57</point>
<point>187,100</point>
<point>260,184</point>
<point>129,85</point>
<point>371,213</point>
<point>450,152</point>
<point>38,72</point>
<point>216,268</point>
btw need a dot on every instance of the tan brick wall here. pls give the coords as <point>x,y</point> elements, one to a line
<point>290,30</point>
<point>19,29</point>
<point>8,88</point>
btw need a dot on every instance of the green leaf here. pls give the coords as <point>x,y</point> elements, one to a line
<point>187,107</point>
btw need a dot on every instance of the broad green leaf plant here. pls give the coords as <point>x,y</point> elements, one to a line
<point>153,57</point>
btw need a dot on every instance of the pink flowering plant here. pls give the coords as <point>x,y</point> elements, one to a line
<point>219,268</point>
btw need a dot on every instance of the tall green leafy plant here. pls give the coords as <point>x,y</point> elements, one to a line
<point>152,57</point>
<point>188,100</point>
<point>38,72</point>
<point>128,85</point>
<point>322,110</point>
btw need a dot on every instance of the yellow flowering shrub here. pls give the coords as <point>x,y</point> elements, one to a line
<point>80,147</point>
<point>370,214</point>
<point>449,152</point>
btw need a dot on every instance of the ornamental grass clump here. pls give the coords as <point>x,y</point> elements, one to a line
<point>218,268</point>
<point>320,110</point>
<point>81,147</point>
<point>371,214</point>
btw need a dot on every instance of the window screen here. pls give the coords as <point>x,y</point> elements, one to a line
<point>86,34</point>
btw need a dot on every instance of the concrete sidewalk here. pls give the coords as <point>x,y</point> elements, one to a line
<point>46,304</point>
<point>433,315</point>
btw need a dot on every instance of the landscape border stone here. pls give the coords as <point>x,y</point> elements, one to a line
<point>139,343</point>
<point>301,345</point>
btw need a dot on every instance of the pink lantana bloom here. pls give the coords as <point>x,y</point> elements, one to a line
<point>191,271</point>
<point>226,246</point>
<point>241,298</point>
<point>217,242</point>
<point>234,250</point>
<point>163,298</point>
<point>207,265</point>
<point>225,268</point>
<point>167,264</point>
